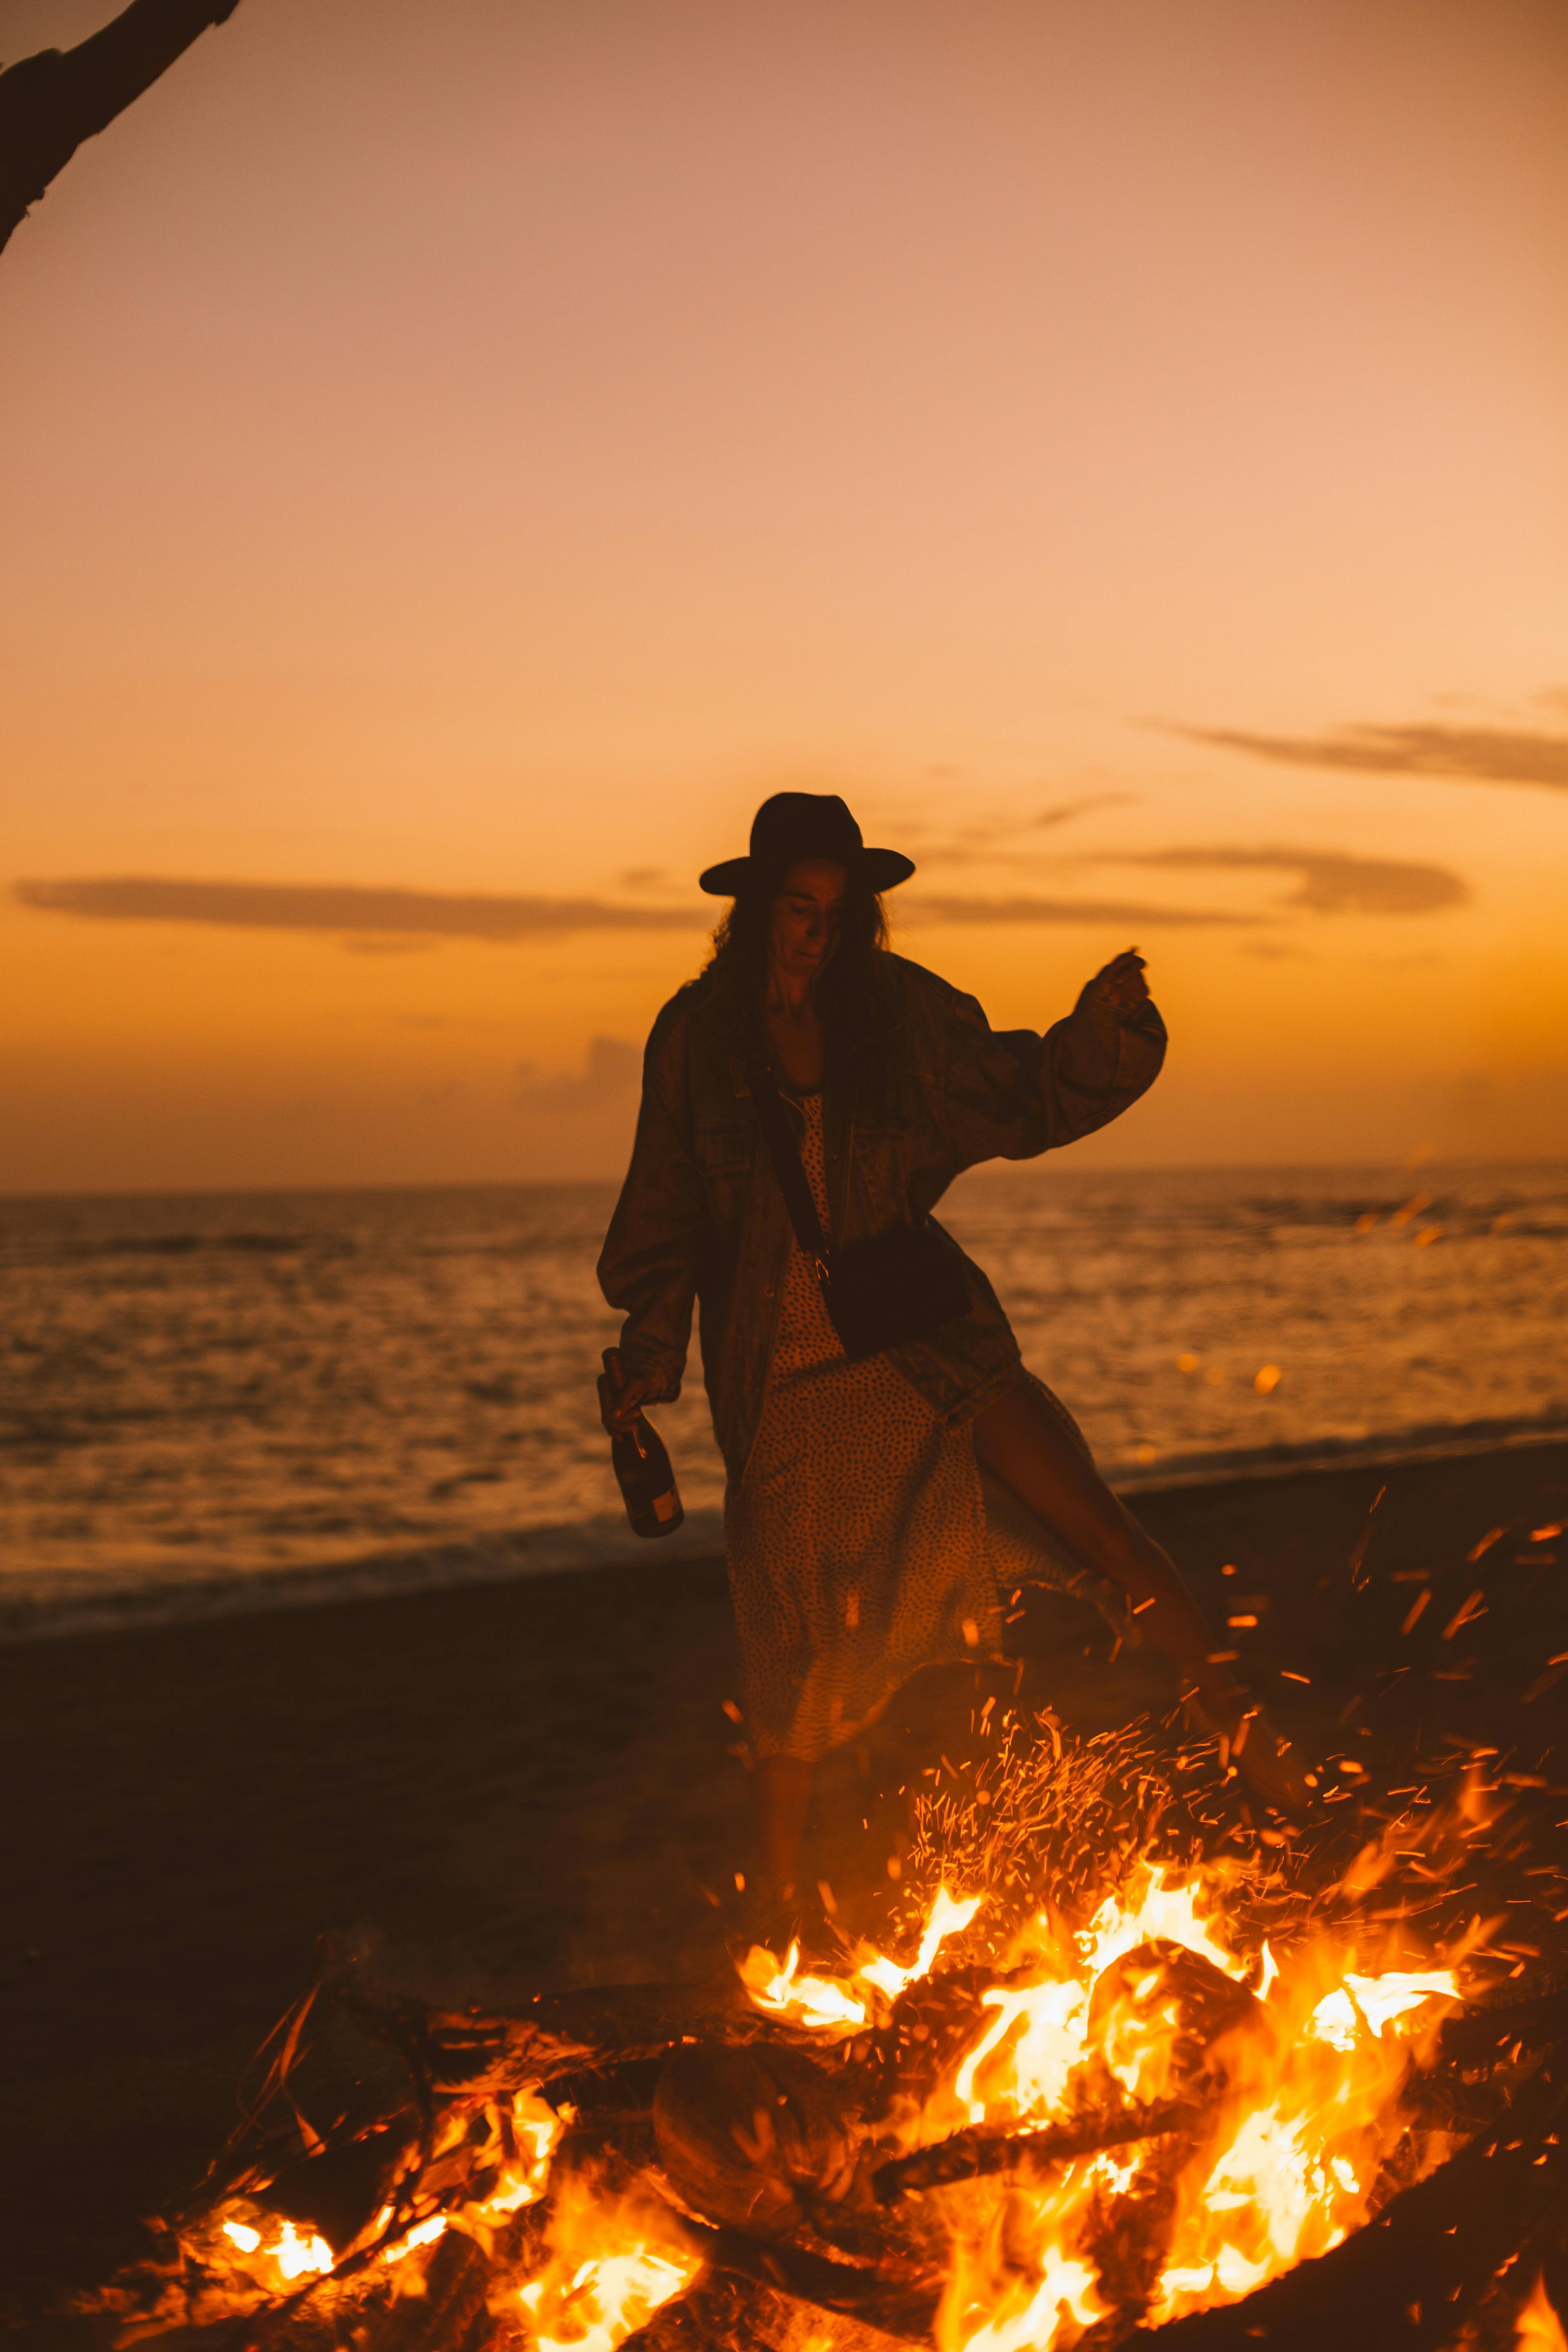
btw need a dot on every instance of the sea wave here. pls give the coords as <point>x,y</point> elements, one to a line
<point>211,1403</point>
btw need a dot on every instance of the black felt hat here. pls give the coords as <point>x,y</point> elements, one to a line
<point>793,825</point>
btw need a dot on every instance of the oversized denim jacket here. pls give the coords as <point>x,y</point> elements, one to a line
<point>702,1216</point>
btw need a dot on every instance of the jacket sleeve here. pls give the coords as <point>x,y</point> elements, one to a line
<point>1011,1094</point>
<point>647,1266</point>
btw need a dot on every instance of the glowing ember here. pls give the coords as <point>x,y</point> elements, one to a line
<point>424,2233</point>
<point>293,2256</point>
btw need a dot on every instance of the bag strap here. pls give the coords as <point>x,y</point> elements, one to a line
<point>773,1120</point>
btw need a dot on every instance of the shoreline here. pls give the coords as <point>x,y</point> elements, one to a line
<point>588,1546</point>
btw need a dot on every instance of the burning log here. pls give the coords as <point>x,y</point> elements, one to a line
<point>975,2154</point>
<point>1091,2120</point>
<point>557,2035</point>
<point>1409,2278</point>
<point>895,2303</point>
<point>337,2193</point>
<point>453,2313</point>
<point>1207,2013</point>
<point>762,2138</point>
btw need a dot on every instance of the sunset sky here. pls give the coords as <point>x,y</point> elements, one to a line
<point>461,454</point>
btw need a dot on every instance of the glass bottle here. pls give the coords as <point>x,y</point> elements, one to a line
<point>641,1464</point>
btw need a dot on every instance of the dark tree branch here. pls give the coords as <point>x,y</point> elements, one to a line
<point>51,102</point>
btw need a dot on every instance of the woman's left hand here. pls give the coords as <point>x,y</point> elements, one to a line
<point>1122,985</point>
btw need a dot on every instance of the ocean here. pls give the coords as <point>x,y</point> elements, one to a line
<point>230,1400</point>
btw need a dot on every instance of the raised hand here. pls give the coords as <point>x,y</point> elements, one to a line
<point>1121,984</point>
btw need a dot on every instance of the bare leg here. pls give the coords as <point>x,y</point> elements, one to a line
<point>784,1792</point>
<point>1021,1443</point>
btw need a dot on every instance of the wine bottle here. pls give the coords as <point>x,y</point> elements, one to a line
<point>641,1464</point>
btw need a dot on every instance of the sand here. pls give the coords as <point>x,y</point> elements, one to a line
<point>524,1786</point>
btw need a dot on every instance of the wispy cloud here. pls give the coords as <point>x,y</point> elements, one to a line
<point>1064,810</point>
<point>610,1079</point>
<point>358,914</point>
<point>998,840</point>
<point>1125,915</point>
<point>1479,755</point>
<point>1330,882</point>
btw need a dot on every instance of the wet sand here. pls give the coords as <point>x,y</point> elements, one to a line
<point>524,1786</point>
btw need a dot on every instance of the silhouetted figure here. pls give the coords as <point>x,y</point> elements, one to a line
<point>805,1103</point>
<point>51,102</point>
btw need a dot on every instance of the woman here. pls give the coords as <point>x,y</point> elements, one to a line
<point>866,1493</point>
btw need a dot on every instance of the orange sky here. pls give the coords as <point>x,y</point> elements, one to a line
<point>476,449</point>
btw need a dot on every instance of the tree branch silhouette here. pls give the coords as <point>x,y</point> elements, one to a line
<point>49,103</point>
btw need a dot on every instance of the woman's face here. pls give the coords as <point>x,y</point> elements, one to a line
<point>805,916</point>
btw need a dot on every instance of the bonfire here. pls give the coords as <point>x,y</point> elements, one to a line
<point>1120,2066</point>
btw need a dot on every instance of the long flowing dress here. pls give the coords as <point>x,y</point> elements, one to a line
<point>860,1543</point>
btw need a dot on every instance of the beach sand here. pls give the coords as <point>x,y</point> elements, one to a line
<point>519,1787</point>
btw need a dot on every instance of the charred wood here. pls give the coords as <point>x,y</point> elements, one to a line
<point>760,2138</point>
<point>897,2301</point>
<point>970,2154</point>
<point>720,2311</point>
<point>452,2311</point>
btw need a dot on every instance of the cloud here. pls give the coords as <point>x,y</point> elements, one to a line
<point>1478,755</point>
<point>1125,917</point>
<point>358,913</point>
<point>1063,810</point>
<point>610,1078</point>
<point>994,841</point>
<point>1329,881</point>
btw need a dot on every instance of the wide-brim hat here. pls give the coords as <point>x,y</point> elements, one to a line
<point>793,825</point>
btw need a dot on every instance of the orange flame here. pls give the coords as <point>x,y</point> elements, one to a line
<point>1538,2328</point>
<point>611,2266</point>
<point>1298,2117</point>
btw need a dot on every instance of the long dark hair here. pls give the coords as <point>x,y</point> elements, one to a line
<point>849,1003</point>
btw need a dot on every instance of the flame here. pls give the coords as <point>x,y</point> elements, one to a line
<point>611,2266</point>
<point>1055,2012</point>
<point>424,2233</point>
<point>1300,2098</point>
<point>1266,2076</point>
<point>832,2001</point>
<point>948,1918</point>
<point>534,2125</point>
<point>293,2256</point>
<point>1382,1999</point>
<point>1013,2288</point>
<point>1537,2327</point>
<point>806,2001</point>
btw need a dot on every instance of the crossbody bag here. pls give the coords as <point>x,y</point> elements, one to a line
<point>880,1292</point>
